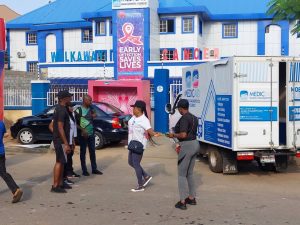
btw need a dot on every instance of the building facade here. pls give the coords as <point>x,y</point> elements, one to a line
<point>113,39</point>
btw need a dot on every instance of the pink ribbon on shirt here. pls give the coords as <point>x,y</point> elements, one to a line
<point>128,29</point>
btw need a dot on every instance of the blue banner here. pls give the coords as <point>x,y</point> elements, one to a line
<point>258,114</point>
<point>294,113</point>
<point>220,131</point>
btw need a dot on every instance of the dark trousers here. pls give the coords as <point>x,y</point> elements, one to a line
<point>68,167</point>
<point>6,176</point>
<point>90,143</point>
<point>134,160</point>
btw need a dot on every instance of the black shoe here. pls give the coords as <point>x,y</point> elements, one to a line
<point>73,175</point>
<point>58,190</point>
<point>67,181</point>
<point>97,172</point>
<point>86,174</point>
<point>66,186</point>
<point>180,205</point>
<point>190,201</point>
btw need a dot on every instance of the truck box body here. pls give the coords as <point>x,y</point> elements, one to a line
<point>246,103</point>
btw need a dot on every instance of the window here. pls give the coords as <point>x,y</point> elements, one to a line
<point>100,28</point>
<point>32,67</point>
<point>101,55</point>
<point>31,38</point>
<point>167,25</point>
<point>187,54</point>
<point>167,54</point>
<point>200,27</point>
<point>187,25</point>
<point>87,35</point>
<point>230,30</point>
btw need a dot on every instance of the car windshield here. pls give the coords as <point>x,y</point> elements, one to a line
<point>109,109</point>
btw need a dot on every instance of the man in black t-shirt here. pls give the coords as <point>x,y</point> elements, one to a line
<point>61,133</point>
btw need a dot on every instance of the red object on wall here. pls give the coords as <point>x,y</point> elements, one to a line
<point>120,93</point>
<point>2,55</point>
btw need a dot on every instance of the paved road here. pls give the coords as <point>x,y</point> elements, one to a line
<point>252,197</point>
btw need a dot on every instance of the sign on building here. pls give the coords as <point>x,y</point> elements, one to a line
<point>130,38</point>
<point>129,4</point>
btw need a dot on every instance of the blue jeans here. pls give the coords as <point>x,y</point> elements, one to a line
<point>90,143</point>
<point>134,160</point>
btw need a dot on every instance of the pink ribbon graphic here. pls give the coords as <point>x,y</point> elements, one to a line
<point>128,29</point>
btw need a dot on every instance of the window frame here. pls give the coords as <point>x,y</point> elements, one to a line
<point>166,19</point>
<point>82,35</point>
<point>27,38</point>
<point>200,26</point>
<point>189,48</point>
<point>98,52</point>
<point>236,30</point>
<point>182,24</point>
<point>28,66</point>
<point>97,33</point>
<point>169,49</point>
<point>111,55</point>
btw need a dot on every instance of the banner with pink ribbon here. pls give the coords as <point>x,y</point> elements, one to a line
<point>130,33</point>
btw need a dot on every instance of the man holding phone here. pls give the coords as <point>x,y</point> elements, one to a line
<point>85,115</point>
<point>61,133</point>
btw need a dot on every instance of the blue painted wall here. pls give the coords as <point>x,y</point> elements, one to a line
<point>42,35</point>
<point>261,45</point>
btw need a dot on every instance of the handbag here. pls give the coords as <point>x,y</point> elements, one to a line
<point>136,147</point>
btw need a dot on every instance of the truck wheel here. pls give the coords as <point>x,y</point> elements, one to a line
<point>99,140</point>
<point>215,160</point>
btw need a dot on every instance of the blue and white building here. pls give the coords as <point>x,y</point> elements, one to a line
<point>79,38</point>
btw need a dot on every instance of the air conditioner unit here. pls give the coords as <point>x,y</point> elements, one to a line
<point>21,54</point>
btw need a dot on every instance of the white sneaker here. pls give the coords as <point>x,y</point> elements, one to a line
<point>138,189</point>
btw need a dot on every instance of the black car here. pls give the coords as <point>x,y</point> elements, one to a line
<point>111,125</point>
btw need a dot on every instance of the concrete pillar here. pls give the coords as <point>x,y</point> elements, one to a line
<point>39,89</point>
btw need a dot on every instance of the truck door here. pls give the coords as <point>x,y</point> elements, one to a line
<point>257,101</point>
<point>293,125</point>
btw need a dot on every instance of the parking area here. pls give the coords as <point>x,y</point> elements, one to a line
<point>252,197</point>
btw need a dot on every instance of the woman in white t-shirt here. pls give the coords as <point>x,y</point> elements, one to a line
<point>139,129</point>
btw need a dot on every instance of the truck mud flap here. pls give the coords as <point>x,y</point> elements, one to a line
<point>229,162</point>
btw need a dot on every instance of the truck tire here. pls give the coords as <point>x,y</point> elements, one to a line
<point>215,160</point>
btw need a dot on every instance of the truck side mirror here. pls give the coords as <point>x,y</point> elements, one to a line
<point>168,108</point>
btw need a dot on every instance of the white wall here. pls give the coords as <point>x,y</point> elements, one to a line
<point>94,72</point>
<point>244,45</point>
<point>294,49</point>
<point>181,40</point>
<point>50,46</point>
<point>154,31</point>
<point>18,44</point>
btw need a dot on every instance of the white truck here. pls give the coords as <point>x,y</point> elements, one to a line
<point>248,109</point>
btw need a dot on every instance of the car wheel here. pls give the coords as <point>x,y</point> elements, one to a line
<point>25,136</point>
<point>99,140</point>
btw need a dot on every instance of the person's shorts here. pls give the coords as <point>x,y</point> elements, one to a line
<point>61,156</point>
